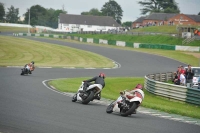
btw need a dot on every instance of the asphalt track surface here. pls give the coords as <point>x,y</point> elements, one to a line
<point>27,106</point>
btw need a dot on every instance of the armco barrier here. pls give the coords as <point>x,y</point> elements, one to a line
<point>177,92</point>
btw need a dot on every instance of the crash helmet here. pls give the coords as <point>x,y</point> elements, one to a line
<point>139,86</point>
<point>102,75</point>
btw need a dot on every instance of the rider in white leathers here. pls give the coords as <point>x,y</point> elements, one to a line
<point>134,91</point>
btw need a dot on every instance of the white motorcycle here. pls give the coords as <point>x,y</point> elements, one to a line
<point>127,103</point>
<point>92,92</point>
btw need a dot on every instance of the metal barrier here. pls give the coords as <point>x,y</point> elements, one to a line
<point>154,84</point>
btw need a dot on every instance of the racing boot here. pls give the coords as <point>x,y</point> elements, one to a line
<point>119,104</point>
<point>98,96</point>
<point>134,112</point>
<point>82,92</point>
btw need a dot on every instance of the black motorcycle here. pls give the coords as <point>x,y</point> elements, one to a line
<point>25,71</point>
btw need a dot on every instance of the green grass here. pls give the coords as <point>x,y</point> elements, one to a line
<point>13,29</point>
<point>159,29</point>
<point>181,56</point>
<point>150,39</point>
<point>19,51</point>
<point>117,84</point>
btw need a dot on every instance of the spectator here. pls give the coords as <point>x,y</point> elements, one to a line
<point>178,69</point>
<point>176,80</point>
<point>182,70</point>
<point>189,74</point>
<point>182,79</point>
<point>199,83</point>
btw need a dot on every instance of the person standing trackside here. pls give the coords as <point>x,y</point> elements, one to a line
<point>189,74</point>
<point>182,79</point>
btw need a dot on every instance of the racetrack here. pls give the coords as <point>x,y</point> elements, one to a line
<point>27,106</point>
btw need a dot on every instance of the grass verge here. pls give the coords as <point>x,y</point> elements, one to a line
<point>115,85</point>
<point>159,29</point>
<point>13,29</point>
<point>18,51</point>
<point>150,39</point>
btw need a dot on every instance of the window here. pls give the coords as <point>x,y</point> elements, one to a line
<point>89,26</point>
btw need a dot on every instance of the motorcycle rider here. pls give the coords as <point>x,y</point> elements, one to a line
<point>30,67</point>
<point>97,80</point>
<point>138,88</point>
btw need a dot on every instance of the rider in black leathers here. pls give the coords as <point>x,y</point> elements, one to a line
<point>97,80</point>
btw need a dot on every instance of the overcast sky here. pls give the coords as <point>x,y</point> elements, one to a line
<point>130,7</point>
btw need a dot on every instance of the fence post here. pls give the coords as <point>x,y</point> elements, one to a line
<point>155,77</point>
<point>166,77</point>
<point>160,77</point>
<point>172,76</point>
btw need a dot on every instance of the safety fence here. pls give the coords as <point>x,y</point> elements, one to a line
<point>115,42</point>
<point>154,83</point>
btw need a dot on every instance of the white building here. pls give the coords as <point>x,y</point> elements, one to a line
<point>74,23</point>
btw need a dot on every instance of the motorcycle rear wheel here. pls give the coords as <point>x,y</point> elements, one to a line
<point>110,108</point>
<point>89,98</point>
<point>130,111</point>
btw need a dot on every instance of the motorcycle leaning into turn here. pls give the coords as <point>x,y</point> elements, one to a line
<point>127,102</point>
<point>26,71</point>
<point>92,92</point>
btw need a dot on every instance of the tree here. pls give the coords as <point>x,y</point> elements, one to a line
<point>199,13</point>
<point>12,15</point>
<point>170,10</point>
<point>2,12</point>
<point>93,11</point>
<point>113,9</point>
<point>37,12</point>
<point>42,16</point>
<point>166,6</point>
<point>53,17</point>
<point>127,24</point>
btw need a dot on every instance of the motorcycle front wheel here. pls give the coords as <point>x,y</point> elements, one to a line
<point>130,111</point>
<point>110,108</point>
<point>89,98</point>
<point>22,73</point>
<point>74,98</point>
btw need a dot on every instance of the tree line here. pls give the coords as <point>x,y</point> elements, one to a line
<point>49,17</point>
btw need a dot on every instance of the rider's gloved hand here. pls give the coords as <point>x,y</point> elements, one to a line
<point>121,92</point>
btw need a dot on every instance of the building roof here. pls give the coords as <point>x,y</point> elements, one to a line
<point>194,17</point>
<point>139,20</point>
<point>160,16</point>
<point>88,20</point>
